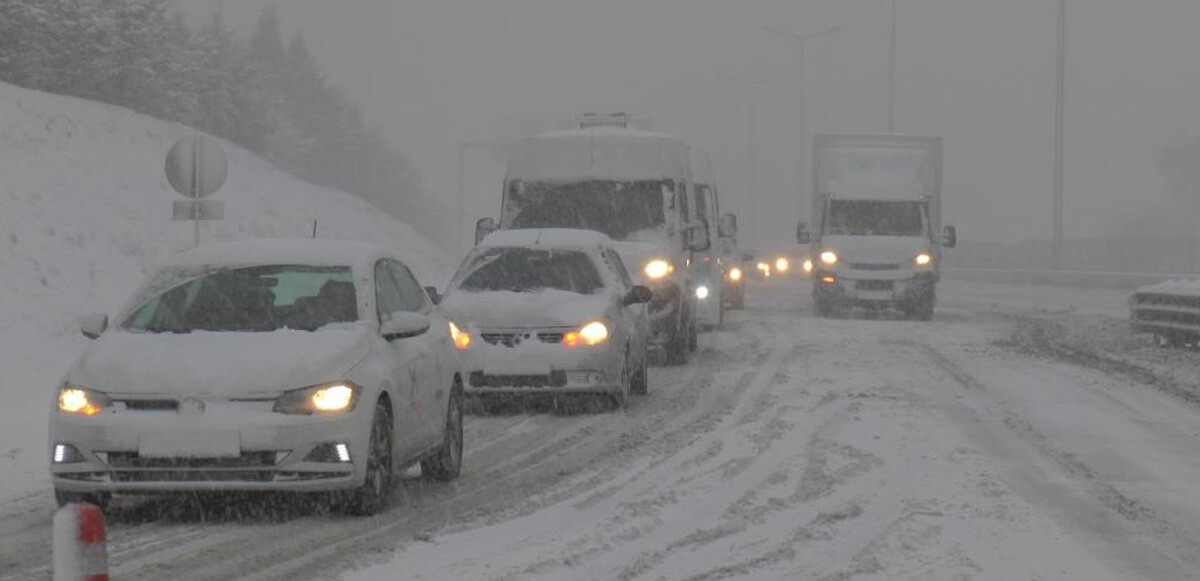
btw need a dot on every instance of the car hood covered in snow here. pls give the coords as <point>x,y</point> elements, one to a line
<point>522,310</point>
<point>219,364</point>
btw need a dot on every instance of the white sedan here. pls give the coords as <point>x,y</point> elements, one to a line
<point>549,311</point>
<point>271,365</point>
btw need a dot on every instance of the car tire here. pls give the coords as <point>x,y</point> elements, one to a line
<point>639,383</point>
<point>446,464</point>
<point>99,499</point>
<point>372,497</point>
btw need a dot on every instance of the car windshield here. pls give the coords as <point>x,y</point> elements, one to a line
<point>529,270</point>
<point>874,218</point>
<point>622,210</point>
<point>258,299</point>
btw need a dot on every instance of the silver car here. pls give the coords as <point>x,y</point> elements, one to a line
<point>285,365</point>
<point>549,311</point>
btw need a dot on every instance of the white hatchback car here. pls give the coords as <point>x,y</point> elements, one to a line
<point>549,311</point>
<point>269,365</point>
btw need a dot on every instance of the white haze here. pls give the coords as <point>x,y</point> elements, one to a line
<point>980,72</point>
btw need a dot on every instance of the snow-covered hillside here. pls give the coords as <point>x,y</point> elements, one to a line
<point>85,207</point>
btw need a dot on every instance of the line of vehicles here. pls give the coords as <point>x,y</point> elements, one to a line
<point>325,367</point>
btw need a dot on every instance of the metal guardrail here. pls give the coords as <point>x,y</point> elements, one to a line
<point>1170,310</point>
<point>1055,277</point>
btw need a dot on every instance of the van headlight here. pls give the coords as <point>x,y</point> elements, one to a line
<point>923,259</point>
<point>333,397</point>
<point>829,258</point>
<point>657,268</point>
<point>78,400</point>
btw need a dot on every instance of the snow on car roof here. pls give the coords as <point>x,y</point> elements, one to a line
<point>321,252</point>
<point>548,237</point>
<point>603,153</point>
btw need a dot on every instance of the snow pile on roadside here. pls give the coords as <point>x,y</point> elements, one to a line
<point>85,208</point>
<point>1186,287</point>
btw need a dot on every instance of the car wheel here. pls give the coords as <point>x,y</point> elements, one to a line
<point>446,464</point>
<point>639,383</point>
<point>65,497</point>
<point>372,496</point>
<point>620,399</point>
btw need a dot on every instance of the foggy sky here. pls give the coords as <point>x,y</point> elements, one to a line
<point>979,72</point>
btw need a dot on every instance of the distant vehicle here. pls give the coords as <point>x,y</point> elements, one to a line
<point>549,312</point>
<point>877,238</point>
<point>738,268</point>
<point>633,186</point>
<point>271,365</point>
<point>712,265</point>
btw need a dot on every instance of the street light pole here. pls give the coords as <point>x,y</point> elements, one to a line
<point>749,85</point>
<point>800,39</point>
<point>1059,131</point>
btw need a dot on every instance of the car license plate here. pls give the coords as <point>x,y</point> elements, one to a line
<point>189,444</point>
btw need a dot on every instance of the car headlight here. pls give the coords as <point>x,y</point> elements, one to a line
<point>923,259</point>
<point>657,268</point>
<point>461,338</point>
<point>334,397</point>
<point>702,292</point>
<point>735,274</point>
<point>593,333</point>
<point>829,258</point>
<point>807,265</point>
<point>74,399</point>
<point>782,264</point>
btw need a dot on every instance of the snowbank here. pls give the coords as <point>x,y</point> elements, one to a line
<point>85,208</point>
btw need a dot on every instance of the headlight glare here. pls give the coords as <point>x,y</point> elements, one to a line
<point>782,264</point>
<point>702,292</point>
<point>592,333</point>
<point>461,338</point>
<point>73,399</point>
<point>735,274</point>
<point>923,259</point>
<point>657,268</point>
<point>807,265</point>
<point>335,397</point>
<point>829,257</point>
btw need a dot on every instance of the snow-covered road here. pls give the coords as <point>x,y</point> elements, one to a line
<point>1000,441</point>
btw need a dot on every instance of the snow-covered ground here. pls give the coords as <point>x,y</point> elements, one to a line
<point>1025,433</point>
<point>85,207</point>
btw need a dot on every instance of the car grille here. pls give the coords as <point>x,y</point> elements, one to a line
<point>867,266</point>
<point>151,405</point>
<point>131,460</point>
<point>514,339</point>
<point>554,379</point>
<point>873,285</point>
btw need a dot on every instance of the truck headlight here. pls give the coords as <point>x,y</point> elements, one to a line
<point>829,257</point>
<point>657,268</point>
<point>337,396</point>
<point>74,399</point>
<point>593,333</point>
<point>923,259</point>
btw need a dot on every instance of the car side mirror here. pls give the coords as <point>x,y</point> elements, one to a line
<point>727,227</point>
<point>698,240</point>
<point>802,234</point>
<point>950,238</point>
<point>94,325</point>
<point>638,294</point>
<point>434,297</point>
<point>404,324</point>
<point>483,227</point>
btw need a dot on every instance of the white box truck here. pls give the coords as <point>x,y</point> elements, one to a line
<point>877,235</point>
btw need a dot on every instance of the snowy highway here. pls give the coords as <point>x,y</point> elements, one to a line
<point>1023,434</point>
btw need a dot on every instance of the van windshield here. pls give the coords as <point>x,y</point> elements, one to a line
<point>874,218</point>
<point>622,210</point>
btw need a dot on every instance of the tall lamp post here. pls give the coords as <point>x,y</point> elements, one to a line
<point>749,85</point>
<point>800,39</point>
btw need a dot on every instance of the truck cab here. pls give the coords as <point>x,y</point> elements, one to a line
<point>633,186</point>
<point>877,240</point>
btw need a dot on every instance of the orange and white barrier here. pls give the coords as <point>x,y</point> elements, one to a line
<point>80,552</point>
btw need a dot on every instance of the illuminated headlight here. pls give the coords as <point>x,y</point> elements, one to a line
<point>592,333</point>
<point>702,292</point>
<point>807,265</point>
<point>829,257</point>
<point>923,259</point>
<point>782,264</point>
<point>657,268</point>
<point>461,338</point>
<point>73,399</point>
<point>340,396</point>
<point>735,274</point>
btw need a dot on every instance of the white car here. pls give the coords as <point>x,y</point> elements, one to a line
<point>270,365</point>
<point>549,311</point>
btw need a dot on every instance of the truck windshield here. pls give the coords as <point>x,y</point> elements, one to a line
<point>622,210</point>
<point>874,218</point>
